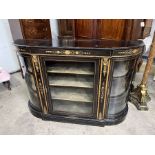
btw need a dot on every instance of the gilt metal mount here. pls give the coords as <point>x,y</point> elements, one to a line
<point>140,97</point>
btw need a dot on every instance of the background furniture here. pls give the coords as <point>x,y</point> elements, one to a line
<point>35,28</point>
<point>115,29</point>
<point>78,80</point>
<point>29,29</point>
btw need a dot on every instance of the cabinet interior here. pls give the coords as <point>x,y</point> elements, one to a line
<point>71,85</point>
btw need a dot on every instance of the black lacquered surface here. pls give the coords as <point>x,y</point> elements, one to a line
<point>78,43</point>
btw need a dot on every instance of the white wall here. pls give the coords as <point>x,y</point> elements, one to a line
<point>148,40</point>
<point>15,29</point>
<point>54,28</point>
<point>8,57</point>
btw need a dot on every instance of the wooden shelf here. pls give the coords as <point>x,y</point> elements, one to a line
<point>71,81</point>
<point>68,68</point>
<point>72,94</point>
<point>63,106</point>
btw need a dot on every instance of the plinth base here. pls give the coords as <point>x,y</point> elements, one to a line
<point>112,120</point>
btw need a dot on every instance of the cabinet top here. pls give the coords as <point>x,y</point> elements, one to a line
<point>79,43</point>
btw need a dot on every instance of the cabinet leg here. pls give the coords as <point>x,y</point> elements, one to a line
<point>7,84</point>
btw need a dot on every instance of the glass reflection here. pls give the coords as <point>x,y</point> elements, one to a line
<point>121,68</point>
<point>32,90</point>
<point>117,104</point>
<point>119,86</point>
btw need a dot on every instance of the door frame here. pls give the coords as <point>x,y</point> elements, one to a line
<point>72,59</point>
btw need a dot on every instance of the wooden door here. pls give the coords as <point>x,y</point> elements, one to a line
<point>115,29</point>
<point>66,28</point>
<point>111,29</point>
<point>85,28</point>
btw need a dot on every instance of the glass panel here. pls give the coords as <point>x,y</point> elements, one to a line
<point>119,86</point>
<point>32,89</point>
<point>121,68</point>
<point>117,104</point>
<point>30,81</point>
<point>34,98</point>
<point>28,64</point>
<point>72,87</point>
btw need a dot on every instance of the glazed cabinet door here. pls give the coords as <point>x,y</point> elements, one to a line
<point>72,85</point>
<point>31,84</point>
<point>120,85</point>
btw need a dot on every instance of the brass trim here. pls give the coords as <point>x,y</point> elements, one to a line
<point>117,53</point>
<point>100,116</point>
<point>105,62</point>
<point>104,71</point>
<point>44,88</point>
<point>84,56</point>
<point>99,88</point>
<point>106,90</point>
<point>139,97</point>
<point>68,52</point>
<point>34,61</point>
<point>39,83</point>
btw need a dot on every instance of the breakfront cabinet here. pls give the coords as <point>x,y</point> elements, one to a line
<point>79,81</point>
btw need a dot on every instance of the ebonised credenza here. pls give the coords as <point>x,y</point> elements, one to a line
<point>80,81</point>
